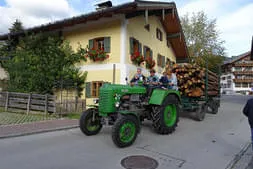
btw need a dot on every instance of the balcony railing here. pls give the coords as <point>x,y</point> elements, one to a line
<point>245,80</point>
<point>243,64</point>
<point>243,72</point>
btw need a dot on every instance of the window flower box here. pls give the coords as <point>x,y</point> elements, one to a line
<point>97,55</point>
<point>137,58</point>
<point>150,63</point>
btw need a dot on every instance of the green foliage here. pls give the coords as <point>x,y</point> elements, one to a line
<point>40,61</point>
<point>17,26</point>
<point>202,39</point>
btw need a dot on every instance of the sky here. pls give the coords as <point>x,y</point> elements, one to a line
<point>234,18</point>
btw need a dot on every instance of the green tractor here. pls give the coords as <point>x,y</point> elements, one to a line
<point>125,107</point>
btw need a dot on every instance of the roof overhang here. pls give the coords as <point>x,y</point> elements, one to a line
<point>165,11</point>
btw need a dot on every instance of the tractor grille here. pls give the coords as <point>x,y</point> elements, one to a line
<point>106,101</point>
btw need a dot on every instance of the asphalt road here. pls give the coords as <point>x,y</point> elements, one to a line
<point>210,144</point>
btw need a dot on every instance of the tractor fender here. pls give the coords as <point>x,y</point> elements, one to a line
<point>159,95</point>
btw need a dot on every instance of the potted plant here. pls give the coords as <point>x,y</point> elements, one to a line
<point>137,58</point>
<point>150,63</point>
<point>97,55</point>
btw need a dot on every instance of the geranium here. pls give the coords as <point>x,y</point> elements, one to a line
<point>150,63</point>
<point>137,58</point>
<point>97,55</point>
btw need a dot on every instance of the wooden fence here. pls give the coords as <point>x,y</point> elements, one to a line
<point>70,106</point>
<point>28,102</point>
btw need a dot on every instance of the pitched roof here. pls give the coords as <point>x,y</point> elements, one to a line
<point>170,21</point>
<point>236,58</point>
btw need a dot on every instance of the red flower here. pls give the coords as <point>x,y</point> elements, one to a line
<point>137,58</point>
<point>97,54</point>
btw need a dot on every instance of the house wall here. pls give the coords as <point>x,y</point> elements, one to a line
<point>98,71</point>
<point>135,29</point>
<point>96,30</point>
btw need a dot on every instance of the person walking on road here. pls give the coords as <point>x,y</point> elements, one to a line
<point>248,112</point>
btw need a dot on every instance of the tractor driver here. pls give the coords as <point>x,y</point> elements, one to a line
<point>137,77</point>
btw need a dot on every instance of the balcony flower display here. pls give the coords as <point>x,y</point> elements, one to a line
<point>97,55</point>
<point>150,63</point>
<point>137,58</point>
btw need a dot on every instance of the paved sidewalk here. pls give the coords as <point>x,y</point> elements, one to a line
<point>244,160</point>
<point>7,131</point>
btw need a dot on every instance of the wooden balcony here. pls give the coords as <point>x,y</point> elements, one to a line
<point>243,64</point>
<point>243,72</point>
<point>248,80</point>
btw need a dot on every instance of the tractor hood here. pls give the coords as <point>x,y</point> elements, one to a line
<point>109,94</point>
<point>123,89</point>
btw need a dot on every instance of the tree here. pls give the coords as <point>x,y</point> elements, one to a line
<point>17,27</point>
<point>202,39</point>
<point>40,61</point>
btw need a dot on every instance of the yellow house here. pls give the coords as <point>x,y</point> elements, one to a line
<point>151,29</point>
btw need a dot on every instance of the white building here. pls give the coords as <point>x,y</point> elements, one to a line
<point>237,75</point>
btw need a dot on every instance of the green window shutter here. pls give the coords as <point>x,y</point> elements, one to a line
<point>88,89</point>
<point>91,42</point>
<point>107,44</point>
<point>158,60</point>
<point>163,61</point>
<point>140,48</point>
<point>131,45</point>
<point>144,51</point>
<point>151,54</point>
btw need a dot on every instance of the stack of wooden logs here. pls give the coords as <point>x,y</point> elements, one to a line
<point>191,80</point>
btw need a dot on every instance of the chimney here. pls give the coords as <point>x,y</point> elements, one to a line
<point>103,5</point>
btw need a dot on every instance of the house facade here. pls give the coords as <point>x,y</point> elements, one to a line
<point>237,75</point>
<point>139,28</point>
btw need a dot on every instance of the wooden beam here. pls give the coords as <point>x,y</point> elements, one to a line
<point>174,35</point>
<point>146,16</point>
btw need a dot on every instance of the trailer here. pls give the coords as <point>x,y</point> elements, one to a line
<point>207,103</point>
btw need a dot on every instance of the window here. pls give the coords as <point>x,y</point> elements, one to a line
<point>159,34</point>
<point>148,53</point>
<point>229,77</point>
<point>223,78</point>
<point>92,89</point>
<point>102,43</point>
<point>245,85</point>
<point>238,85</point>
<point>160,61</point>
<point>135,46</point>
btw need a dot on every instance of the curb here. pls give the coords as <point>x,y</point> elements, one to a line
<point>238,156</point>
<point>39,131</point>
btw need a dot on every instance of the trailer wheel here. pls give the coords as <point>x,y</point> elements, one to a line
<point>213,107</point>
<point>90,123</point>
<point>201,112</point>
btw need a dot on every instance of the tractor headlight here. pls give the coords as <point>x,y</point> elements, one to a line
<point>117,104</point>
<point>95,101</point>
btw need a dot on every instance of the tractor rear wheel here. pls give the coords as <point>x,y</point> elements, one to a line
<point>90,123</point>
<point>165,118</point>
<point>125,130</point>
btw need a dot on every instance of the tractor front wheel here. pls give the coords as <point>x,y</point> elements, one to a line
<point>165,118</point>
<point>90,123</point>
<point>125,130</point>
